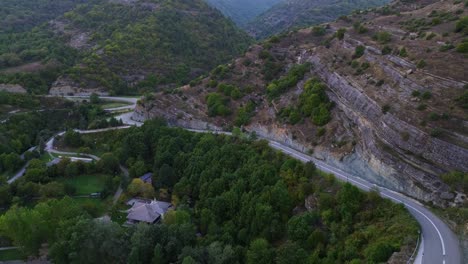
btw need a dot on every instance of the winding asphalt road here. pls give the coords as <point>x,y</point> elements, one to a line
<point>439,244</point>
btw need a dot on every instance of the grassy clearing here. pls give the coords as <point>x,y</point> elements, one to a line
<point>10,254</point>
<point>109,104</point>
<point>94,206</point>
<point>86,184</point>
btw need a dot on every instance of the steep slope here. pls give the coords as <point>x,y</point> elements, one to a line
<point>22,15</point>
<point>242,11</point>
<point>386,96</point>
<point>127,46</point>
<point>300,13</point>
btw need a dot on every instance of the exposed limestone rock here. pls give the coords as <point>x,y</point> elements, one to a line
<point>64,86</point>
<point>12,88</point>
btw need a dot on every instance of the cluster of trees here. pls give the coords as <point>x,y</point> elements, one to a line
<point>457,180</point>
<point>313,103</point>
<point>22,15</point>
<point>43,182</point>
<point>244,114</point>
<point>135,39</point>
<point>21,100</point>
<point>271,66</point>
<point>172,44</point>
<point>298,14</point>
<point>238,196</point>
<point>25,130</point>
<point>218,105</point>
<point>281,85</point>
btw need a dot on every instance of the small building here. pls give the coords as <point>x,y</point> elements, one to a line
<point>147,178</point>
<point>146,211</point>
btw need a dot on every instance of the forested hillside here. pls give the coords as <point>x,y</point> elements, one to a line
<point>21,15</point>
<point>381,94</point>
<point>301,13</point>
<point>242,11</point>
<point>237,201</point>
<point>120,47</point>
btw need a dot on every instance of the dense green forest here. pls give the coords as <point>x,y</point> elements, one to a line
<point>238,201</point>
<point>22,15</point>
<point>127,47</point>
<point>242,11</point>
<point>40,118</point>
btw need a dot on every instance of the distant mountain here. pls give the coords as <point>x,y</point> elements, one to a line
<point>242,11</point>
<point>20,15</point>
<point>120,46</point>
<point>382,94</point>
<point>301,13</point>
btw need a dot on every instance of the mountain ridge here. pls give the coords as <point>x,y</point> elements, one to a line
<point>396,107</point>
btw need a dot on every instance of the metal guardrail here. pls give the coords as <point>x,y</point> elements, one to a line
<point>416,249</point>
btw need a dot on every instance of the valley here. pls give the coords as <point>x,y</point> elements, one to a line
<point>219,131</point>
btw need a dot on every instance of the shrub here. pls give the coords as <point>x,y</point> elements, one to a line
<point>462,100</point>
<point>359,51</point>
<point>341,33</point>
<point>403,52</point>
<point>462,47</point>
<point>217,105</point>
<point>383,37</point>
<point>386,50</point>
<point>462,25</point>
<point>318,30</point>
<point>426,95</point>
<point>385,108</point>
<point>446,47</point>
<point>360,28</point>
<point>421,107</point>
<point>295,74</point>
<point>421,64</point>
<point>436,132</point>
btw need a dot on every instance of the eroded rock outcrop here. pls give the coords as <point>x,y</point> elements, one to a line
<point>396,120</point>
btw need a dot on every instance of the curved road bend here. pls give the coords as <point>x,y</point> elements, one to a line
<point>439,246</point>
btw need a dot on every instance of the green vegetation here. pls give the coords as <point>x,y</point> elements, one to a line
<point>359,51</point>
<point>313,103</point>
<point>230,90</point>
<point>340,33</point>
<point>242,11</point>
<point>359,28</point>
<point>10,254</point>
<point>421,64</point>
<point>25,130</point>
<point>458,181</point>
<point>299,14</point>
<point>85,184</point>
<point>218,105</point>
<point>462,100</point>
<point>403,52</point>
<point>281,85</point>
<point>272,67</point>
<point>237,194</point>
<point>463,47</point>
<point>22,15</point>
<point>244,114</point>
<point>134,40</point>
<point>383,37</point>
<point>386,50</point>
<point>462,25</point>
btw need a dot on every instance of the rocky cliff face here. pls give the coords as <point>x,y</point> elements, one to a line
<point>397,119</point>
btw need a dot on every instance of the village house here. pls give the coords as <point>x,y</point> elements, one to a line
<point>146,211</point>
